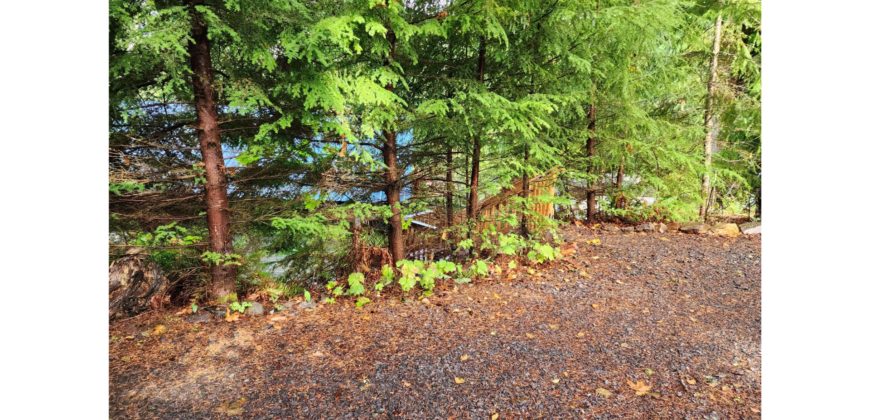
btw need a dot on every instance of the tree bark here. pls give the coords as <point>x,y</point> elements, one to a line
<point>524,219</point>
<point>758,204</point>
<point>393,183</point>
<point>709,119</point>
<point>473,203</point>
<point>467,181</point>
<point>356,244</point>
<point>591,210</point>
<point>449,193</point>
<point>620,177</point>
<point>223,277</point>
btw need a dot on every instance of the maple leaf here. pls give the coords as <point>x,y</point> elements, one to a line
<point>159,329</point>
<point>640,388</point>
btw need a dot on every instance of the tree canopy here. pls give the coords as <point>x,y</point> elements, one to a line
<point>336,122</point>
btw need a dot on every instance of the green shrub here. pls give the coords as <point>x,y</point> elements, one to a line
<point>541,253</point>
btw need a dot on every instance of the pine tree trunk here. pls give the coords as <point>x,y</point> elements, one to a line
<point>524,219</point>
<point>709,119</point>
<point>393,184</point>
<point>223,277</point>
<point>356,250</point>
<point>474,180</point>
<point>473,202</point>
<point>591,206</point>
<point>620,177</point>
<point>392,190</point>
<point>449,194</point>
<point>467,183</point>
<point>758,203</point>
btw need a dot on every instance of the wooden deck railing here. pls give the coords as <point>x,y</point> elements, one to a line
<point>494,212</point>
<point>495,209</point>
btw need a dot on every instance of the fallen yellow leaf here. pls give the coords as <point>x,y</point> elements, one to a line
<point>234,408</point>
<point>594,242</point>
<point>159,329</point>
<point>603,392</point>
<point>640,388</point>
<point>530,335</point>
<point>553,327</point>
<point>595,306</point>
<point>691,381</point>
<point>581,334</point>
<point>555,380</point>
<point>459,380</point>
<point>494,417</point>
<point>585,275</point>
<point>464,357</point>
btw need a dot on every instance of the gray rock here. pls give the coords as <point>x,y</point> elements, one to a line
<point>662,228</point>
<point>199,317</point>
<point>256,308</point>
<point>695,228</point>
<point>645,227</point>
<point>627,228</point>
<point>751,228</point>
<point>307,305</point>
<point>607,227</point>
<point>726,229</point>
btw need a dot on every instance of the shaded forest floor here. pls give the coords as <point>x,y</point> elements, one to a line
<point>645,325</point>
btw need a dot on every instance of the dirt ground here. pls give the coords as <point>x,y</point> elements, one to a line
<point>644,325</point>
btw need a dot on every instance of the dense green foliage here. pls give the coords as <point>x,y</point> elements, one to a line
<point>307,88</point>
